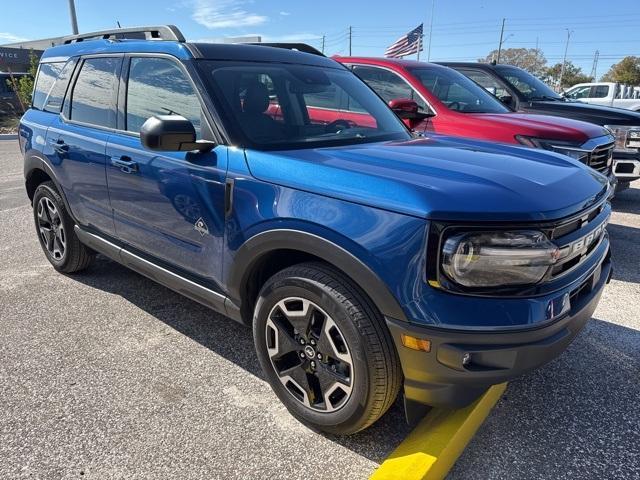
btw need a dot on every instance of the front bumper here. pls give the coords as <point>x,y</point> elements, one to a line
<point>626,169</point>
<point>440,378</point>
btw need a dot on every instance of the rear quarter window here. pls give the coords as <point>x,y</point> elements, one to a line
<point>56,94</point>
<point>47,74</point>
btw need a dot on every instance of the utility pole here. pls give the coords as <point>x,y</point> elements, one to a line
<point>500,44</point>
<point>72,14</point>
<point>594,69</point>
<point>350,31</point>
<point>323,38</point>
<point>433,4</point>
<point>564,59</point>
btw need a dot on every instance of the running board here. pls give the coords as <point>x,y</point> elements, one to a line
<point>203,295</point>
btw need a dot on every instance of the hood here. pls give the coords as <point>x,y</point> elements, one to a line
<point>543,126</point>
<point>588,113</point>
<point>439,178</point>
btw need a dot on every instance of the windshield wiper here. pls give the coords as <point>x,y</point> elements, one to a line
<point>546,97</point>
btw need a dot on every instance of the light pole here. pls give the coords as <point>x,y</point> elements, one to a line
<point>564,59</point>
<point>72,14</point>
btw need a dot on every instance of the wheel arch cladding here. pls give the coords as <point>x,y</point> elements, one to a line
<point>269,252</point>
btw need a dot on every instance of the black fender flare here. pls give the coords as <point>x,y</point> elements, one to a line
<point>33,161</point>
<point>289,239</point>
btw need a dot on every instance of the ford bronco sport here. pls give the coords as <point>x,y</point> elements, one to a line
<point>366,260</point>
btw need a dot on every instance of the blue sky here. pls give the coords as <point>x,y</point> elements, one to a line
<point>463,29</point>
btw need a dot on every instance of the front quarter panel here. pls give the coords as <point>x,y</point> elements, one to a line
<point>390,245</point>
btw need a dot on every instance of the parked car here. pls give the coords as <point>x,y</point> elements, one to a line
<point>608,94</point>
<point>524,92</point>
<point>447,102</point>
<point>365,259</point>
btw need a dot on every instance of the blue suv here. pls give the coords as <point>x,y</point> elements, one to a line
<point>273,186</point>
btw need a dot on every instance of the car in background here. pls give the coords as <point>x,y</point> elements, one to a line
<point>524,92</point>
<point>438,99</point>
<point>609,94</point>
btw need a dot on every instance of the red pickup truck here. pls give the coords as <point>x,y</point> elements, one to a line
<point>439,99</point>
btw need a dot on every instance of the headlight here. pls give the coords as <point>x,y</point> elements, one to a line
<point>627,138</point>
<point>490,259</point>
<point>572,150</point>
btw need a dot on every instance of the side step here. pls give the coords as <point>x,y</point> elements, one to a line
<point>207,297</point>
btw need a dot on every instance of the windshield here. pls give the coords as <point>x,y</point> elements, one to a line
<point>282,106</point>
<point>457,92</point>
<point>530,87</point>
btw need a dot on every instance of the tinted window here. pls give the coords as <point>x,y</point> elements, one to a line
<point>388,85</point>
<point>600,91</point>
<point>56,95</point>
<point>93,96</point>
<point>47,74</point>
<point>457,92</point>
<point>247,93</point>
<point>158,86</point>
<point>487,81</point>
<point>530,87</point>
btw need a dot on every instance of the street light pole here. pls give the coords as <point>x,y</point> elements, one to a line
<point>72,14</point>
<point>500,44</point>
<point>564,59</point>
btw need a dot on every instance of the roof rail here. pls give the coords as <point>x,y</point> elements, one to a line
<point>301,47</point>
<point>159,32</point>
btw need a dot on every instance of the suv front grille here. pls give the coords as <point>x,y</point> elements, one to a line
<point>599,158</point>
<point>579,237</point>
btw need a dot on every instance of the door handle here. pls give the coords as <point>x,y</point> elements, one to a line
<point>60,146</point>
<point>125,164</point>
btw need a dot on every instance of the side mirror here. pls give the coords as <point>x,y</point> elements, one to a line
<point>171,133</point>
<point>507,100</point>
<point>406,108</point>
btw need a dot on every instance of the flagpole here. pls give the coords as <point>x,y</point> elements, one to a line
<point>433,4</point>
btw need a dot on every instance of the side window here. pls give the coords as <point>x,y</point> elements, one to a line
<point>388,84</point>
<point>486,81</point>
<point>158,86</point>
<point>47,74</point>
<point>93,96</point>
<point>579,92</point>
<point>600,91</point>
<point>57,92</point>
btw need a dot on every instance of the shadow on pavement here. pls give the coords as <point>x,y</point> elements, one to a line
<point>625,251</point>
<point>627,201</point>
<point>575,418</point>
<point>226,338</point>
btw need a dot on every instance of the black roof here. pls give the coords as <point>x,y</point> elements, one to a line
<point>481,65</point>
<point>258,53</point>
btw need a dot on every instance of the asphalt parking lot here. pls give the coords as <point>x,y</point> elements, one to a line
<point>105,374</point>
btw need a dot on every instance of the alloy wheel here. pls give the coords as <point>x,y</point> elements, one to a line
<point>309,354</point>
<point>51,228</point>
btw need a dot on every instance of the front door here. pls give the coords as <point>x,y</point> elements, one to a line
<point>169,205</point>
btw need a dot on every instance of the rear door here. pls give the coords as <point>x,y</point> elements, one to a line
<point>77,139</point>
<point>168,205</point>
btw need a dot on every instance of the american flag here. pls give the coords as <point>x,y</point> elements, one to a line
<point>407,44</point>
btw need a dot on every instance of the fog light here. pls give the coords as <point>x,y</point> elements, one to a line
<point>414,343</point>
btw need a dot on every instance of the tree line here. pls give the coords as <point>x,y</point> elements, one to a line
<point>533,60</point>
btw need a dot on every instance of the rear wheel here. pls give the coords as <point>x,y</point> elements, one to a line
<point>325,349</point>
<point>55,231</point>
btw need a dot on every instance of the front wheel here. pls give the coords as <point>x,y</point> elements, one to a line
<point>325,349</point>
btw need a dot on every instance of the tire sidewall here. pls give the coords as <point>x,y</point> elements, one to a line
<point>350,414</point>
<point>45,190</point>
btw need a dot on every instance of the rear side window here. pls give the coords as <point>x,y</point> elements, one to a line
<point>47,74</point>
<point>600,91</point>
<point>56,94</point>
<point>157,86</point>
<point>94,94</point>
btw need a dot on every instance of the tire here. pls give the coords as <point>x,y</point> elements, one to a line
<point>54,228</point>
<point>357,376</point>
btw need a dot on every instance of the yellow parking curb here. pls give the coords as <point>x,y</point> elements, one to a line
<point>435,444</point>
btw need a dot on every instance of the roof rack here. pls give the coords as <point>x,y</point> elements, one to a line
<point>159,32</point>
<point>301,47</point>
